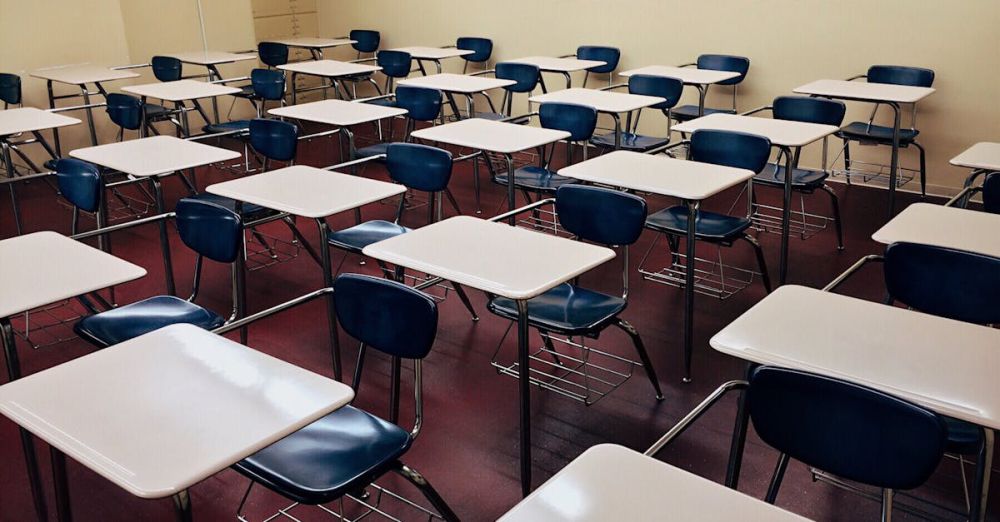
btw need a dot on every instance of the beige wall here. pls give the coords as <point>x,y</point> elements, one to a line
<point>789,42</point>
<point>36,34</point>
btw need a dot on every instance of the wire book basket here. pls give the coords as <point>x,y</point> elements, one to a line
<point>713,277</point>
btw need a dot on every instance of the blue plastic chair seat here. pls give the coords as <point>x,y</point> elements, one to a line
<point>566,309</point>
<point>251,212</point>
<point>964,438</point>
<point>535,178</point>
<point>154,111</point>
<point>230,126</point>
<point>861,131</point>
<point>802,179</point>
<point>709,226</point>
<point>340,453</point>
<point>630,141</point>
<point>372,150</point>
<point>690,112</point>
<point>356,238</point>
<point>132,320</point>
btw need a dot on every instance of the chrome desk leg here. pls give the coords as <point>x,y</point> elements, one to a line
<point>182,506</point>
<point>894,162</point>
<point>510,187</point>
<point>324,248</point>
<point>14,204</point>
<point>64,510</point>
<point>689,288</point>
<point>791,161</point>
<point>168,265</point>
<point>524,385</point>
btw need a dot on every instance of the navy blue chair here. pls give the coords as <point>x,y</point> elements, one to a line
<point>81,184</point>
<point>716,62</point>
<point>482,50</point>
<point>211,231</point>
<point>366,41</point>
<point>579,121</point>
<point>421,104</point>
<point>730,149</point>
<point>10,89</point>
<point>991,193</point>
<point>854,432</point>
<point>609,55</point>
<point>395,65</point>
<point>806,181</point>
<point>598,215</point>
<point>869,133</point>
<point>958,285</point>
<point>166,68</point>
<point>526,77</point>
<point>272,54</point>
<point>417,167</point>
<point>345,451</point>
<point>668,88</point>
<point>125,111</point>
<point>265,85</point>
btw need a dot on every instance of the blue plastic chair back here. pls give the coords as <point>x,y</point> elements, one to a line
<point>272,53</point>
<point>731,149</point>
<point>525,74</point>
<point>419,167</point>
<point>578,120</point>
<point>80,183</point>
<point>601,215</point>
<point>276,140</point>
<point>725,62</point>
<point>959,285</point>
<point>991,193</point>
<point>366,41</point>
<point>421,103</point>
<point>395,64</point>
<point>166,68</point>
<point>901,75</point>
<point>663,87</point>
<point>10,88</point>
<point>268,84</point>
<point>386,315</point>
<point>609,55</point>
<point>124,110</point>
<point>854,432</point>
<point>482,48</point>
<point>810,110</point>
<point>209,229</point>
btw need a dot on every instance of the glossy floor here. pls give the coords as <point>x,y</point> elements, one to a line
<point>468,448</point>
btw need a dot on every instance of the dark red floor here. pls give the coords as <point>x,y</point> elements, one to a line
<point>468,448</point>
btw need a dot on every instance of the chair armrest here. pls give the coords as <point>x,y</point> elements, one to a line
<point>692,64</point>
<point>519,119</point>
<point>858,77</point>
<point>319,134</point>
<point>526,208</point>
<point>133,66</point>
<point>613,87</point>
<point>694,414</point>
<point>240,323</point>
<point>77,107</point>
<point>231,80</point>
<point>568,56</point>
<point>481,73</point>
<point>122,226</point>
<point>373,98</point>
<point>361,60</point>
<point>355,162</point>
<point>850,271</point>
<point>962,196</point>
<point>665,148</point>
<point>758,109</point>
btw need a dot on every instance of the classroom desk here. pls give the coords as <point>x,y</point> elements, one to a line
<point>879,93</point>
<point>493,136</point>
<point>179,92</point>
<point>700,79</point>
<point>329,69</point>
<point>611,482</point>
<point>79,76</point>
<point>689,181</point>
<point>451,84</point>
<point>153,158</point>
<point>562,66</point>
<point>26,119</point>
<point>161,412</point>
<point>211,60</point>
<point>608,102</point>
<point>433,54</point>
<point>41,269</point>
<point>982,158</point>
<point>315,194</point>
<point>498,259</point>
<point>338,113</point>
<point>941,226</point>
<point>789,136</point>
<point>314,45</point>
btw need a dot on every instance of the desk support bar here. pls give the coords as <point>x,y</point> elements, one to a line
<point>832,285</point>
<point>694,414</point>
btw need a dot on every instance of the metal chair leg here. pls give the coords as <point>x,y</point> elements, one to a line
<point>429,492</point>
<point>835,204</point>
<point>981,485</point>
<point>886,505</point>
<point>923,170</point>
<point>465,300</point>
<point>759,252</point>
<point>847,160</point>
<point>779,474</point>
<point>640,348</point>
